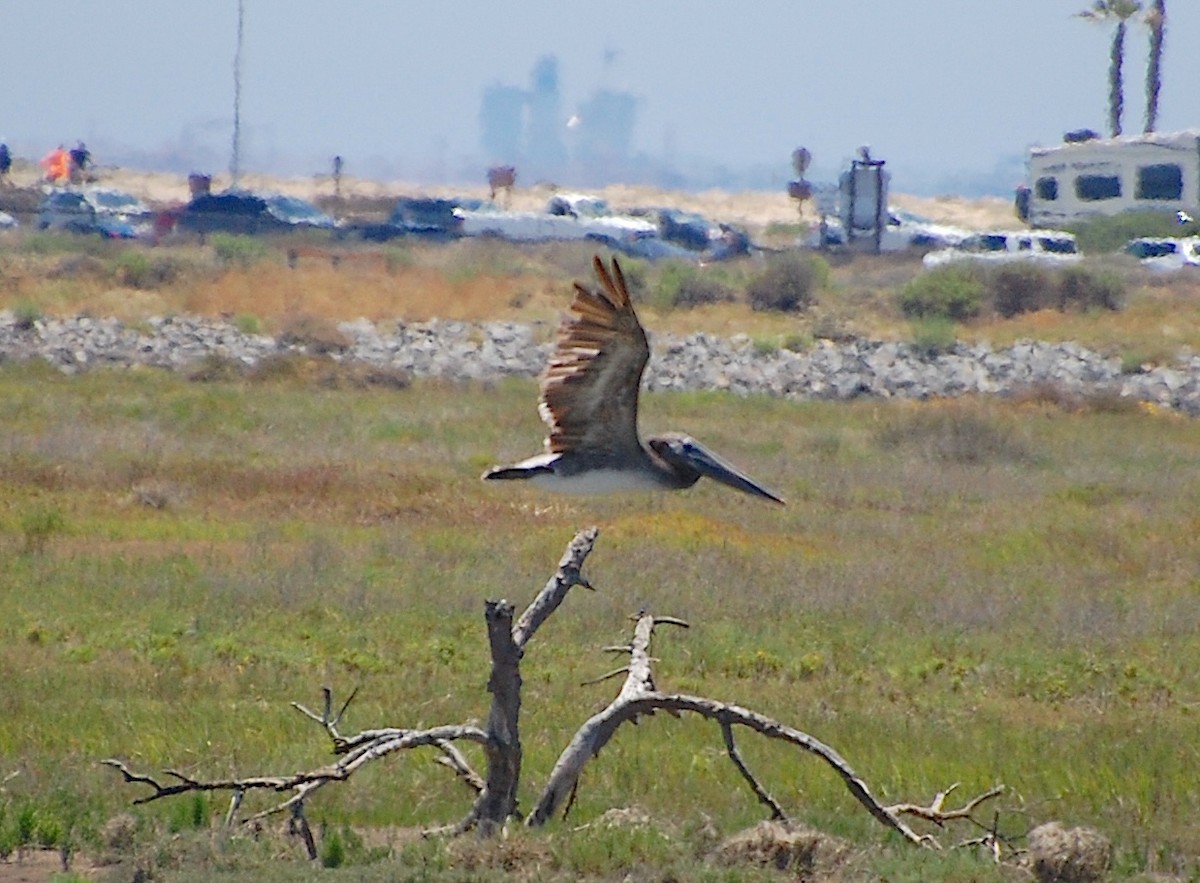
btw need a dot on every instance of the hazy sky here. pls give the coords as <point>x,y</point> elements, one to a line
<point>949,92</point>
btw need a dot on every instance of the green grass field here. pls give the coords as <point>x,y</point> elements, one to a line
<point>974,592</point>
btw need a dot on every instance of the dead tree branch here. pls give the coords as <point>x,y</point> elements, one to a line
<point>638,698</point>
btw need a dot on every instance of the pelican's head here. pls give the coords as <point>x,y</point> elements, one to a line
<point>690,460</point>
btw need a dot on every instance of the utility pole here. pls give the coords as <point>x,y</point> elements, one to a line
<point>235,161</point>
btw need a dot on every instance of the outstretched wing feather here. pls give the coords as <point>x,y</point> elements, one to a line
<point>589,390</point>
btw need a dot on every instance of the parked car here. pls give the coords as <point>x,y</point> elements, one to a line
<point>425,217</point>
<point>1048,246</point>
<point>111,213</point>
<point>241,211</point>
<point>1166,253</point>
<point>902,232</point>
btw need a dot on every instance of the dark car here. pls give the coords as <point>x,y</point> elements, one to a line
<point>240,211</point>
<point>111,213</point>
<point>424,217</point>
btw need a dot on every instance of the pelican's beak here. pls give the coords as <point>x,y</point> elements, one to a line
<point>707,463</point>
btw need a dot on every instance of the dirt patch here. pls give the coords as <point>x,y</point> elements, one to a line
<point>40,866</point>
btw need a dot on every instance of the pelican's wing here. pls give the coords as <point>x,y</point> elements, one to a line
<point>589,391</point>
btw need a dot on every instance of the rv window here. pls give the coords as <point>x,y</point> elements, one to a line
<point>1094,187</point>
<point>1163,181</point>
<point>1047,188</point>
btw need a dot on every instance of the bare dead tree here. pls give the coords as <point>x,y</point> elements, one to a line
<point>496,791</point>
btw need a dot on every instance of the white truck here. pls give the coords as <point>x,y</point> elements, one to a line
<point>1073,181</point>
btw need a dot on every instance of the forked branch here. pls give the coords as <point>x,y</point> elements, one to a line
<point>639,697</point>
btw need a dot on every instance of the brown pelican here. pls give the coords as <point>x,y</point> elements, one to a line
<point>589,399</point>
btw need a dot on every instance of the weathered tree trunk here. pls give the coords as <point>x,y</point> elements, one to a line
<point>503,747</point>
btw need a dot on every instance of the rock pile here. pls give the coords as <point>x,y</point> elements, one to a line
<point>484,351</point>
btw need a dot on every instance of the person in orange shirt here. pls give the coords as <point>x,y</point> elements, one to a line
<point>57,164</point>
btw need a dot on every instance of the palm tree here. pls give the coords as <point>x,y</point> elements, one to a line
<point>1156,20</point>
<point>1120,11</point>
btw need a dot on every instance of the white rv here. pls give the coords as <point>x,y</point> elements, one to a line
<point>1106,176</point>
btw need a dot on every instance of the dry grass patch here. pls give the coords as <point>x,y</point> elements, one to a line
<point>958,432</point>
<point>1074,855</point>
<point>784,846</point>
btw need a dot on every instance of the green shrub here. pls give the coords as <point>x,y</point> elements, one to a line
<point>1021,287</point>
<point>232,249</point>
<point>954,293</point>
<point>789,283</point>
<point>1018,288</point>
<point>136,269</point>
<point>1085,288</point>
<point>684,285</point>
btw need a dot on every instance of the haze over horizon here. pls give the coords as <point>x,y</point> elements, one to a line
<point>950,94</point>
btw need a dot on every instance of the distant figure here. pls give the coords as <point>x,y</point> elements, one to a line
<point>1181,217</point>
<point>337,177</point>
<point>56,165</point>
<point>502,178</point>
<point>5,162</point>
<point>81,158</point>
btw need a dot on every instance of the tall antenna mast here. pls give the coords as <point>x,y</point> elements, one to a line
<point>235,160</point>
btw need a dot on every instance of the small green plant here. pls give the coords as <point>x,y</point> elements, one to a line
<point>234,250</point>
<point>26,825</point>
<point>247,323</point>
<point>934,335</point>
<point>333,849</point>
<point>191,814</point>
<point>954,293</point>
<point>134,268</point>
<point>797,342</point>
<point>789,284</point>
<point>26,315</point>
<point>38,526</point>
<point>765,346</point>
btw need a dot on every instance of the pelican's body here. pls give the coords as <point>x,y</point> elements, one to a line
<point>589,399</point>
